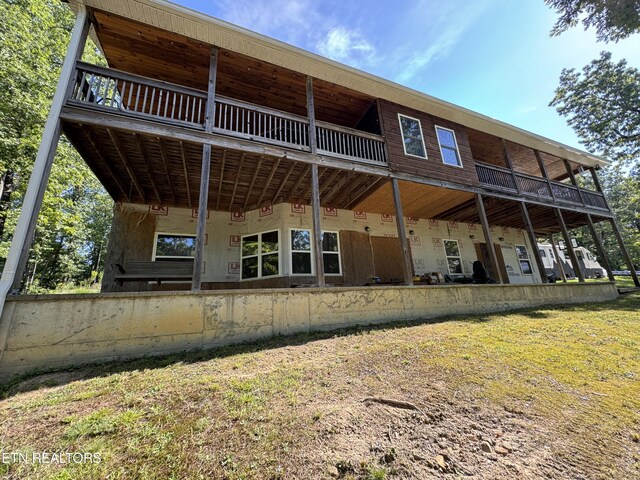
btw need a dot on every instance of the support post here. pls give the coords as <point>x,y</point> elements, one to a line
<point>507,158</point>
<point>533,241</point>
<point>402,233</point>
<point>488,238</point>
<point>599,248</point>
<point>572,176</point>
<point>203,202</point>
<point>625,253</point>
<point>317,228</point>
<point>311,114</point>
<point>543,170</point>
<point>26,227</point>
<point>552,241</point>
<point>567,240</point>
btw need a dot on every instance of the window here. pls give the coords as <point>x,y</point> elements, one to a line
<point>301,261</point>
<point>301,252</point>
<point>448,147</point>
<point>412,136</point>
<point>523,257</point>
<point>260,255</point>
<point>174,247</point>
<point>543,254</point>
<point>452,252</point>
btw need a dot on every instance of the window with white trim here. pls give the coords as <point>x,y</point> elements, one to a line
<point>301,253</point>
<point>448,146</point>
<point>523,258</point>
<point>172,247</point>
<point>454,260</point>
<point>412,139</point>
<point>260,255</point>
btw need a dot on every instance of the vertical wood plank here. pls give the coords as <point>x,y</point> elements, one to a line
<point>402,233</point>
<point>311,114</point>
<point>552,241</point>
<point>493,258</point>
<point>543,170</point>
<point>572,254</point>
<point>533,241</point>
<point>203,203</point>
<point>317,228</point>
<point>601,253</point>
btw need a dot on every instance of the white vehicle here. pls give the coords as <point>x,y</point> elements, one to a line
<point>587,262</point>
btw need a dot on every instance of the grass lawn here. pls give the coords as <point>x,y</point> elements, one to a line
<point>620,281</point>
<point>537,393</point>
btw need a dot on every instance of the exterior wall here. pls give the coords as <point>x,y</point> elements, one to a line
<point>432,166</point>
<point>224,230</point>
<point>51,331</point>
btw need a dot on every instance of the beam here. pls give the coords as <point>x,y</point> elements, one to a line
<point>625,253</point>
<point>557,254</point>
<point>317,228</point>
<point>253,181</point>
<point>163,154</point>
<point>25,229</point>
<point>183,153</point>
<point>493,258</point>
<point>283,182</point>
<point>407,268</point>
<point>235,184</point>
<point>127,167</point>
<point>572,254</point>
<point>203,202</point>
<point>145,158</point>
<point>601,253</point>
<point>534,242</point>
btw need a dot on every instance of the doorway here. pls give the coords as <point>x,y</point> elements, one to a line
<point>482,252</point>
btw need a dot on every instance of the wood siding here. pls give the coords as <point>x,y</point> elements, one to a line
<point>432,166</point>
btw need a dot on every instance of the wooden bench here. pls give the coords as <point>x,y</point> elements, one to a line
<point>154,271</point>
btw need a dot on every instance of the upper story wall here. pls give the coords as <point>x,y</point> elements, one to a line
<point>432,166</point>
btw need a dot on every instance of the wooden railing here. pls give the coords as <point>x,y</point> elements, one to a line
<point>245,120</point>
<point>148,98</point>
<point>350,144</point>
<point>502,178</point>
<point>137,95</point>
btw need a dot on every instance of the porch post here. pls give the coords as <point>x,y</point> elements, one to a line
<point>567,165</point>
<point>625,253</point>
<point>507,158</point>
<point>557,254</point>
<point>25,229</point>
<point>311,115</point>
<point>534,242</point>
<point>317,229</point>
<point>488,238</point>
<point>203,202</point>
<point>543,169</point>
<point>601,252</point>
<point>402,233</point>
<point>567,240</point>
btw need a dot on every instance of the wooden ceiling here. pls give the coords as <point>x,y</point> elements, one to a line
<point>151,170</point>
<point>488,149</point>
<point>151,52</point>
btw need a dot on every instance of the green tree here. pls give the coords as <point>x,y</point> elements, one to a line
<point>602,104</point>
<point>612,19</point>
<point>74,221</point>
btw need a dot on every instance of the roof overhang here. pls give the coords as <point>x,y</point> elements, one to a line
<point>204,28</point>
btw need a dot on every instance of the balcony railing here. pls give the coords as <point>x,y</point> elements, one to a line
<point>503,179</point>
<point>105,88</point>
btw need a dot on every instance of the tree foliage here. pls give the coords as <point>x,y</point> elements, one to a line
<point>74,221</point>
<point>613,20</point>
<point>602,104</point>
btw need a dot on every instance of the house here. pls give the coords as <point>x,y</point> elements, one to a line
<point>557,265</point>
<point>245,166</point>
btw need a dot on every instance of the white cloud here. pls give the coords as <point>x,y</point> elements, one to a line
<point>347,46</point>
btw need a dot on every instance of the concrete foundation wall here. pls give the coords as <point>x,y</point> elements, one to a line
<point>49,331</point>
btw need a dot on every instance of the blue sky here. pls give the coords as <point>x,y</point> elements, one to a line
<point>491,56</point>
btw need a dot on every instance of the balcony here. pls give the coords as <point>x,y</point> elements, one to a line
<point>145,98</point>
<point>519,183</point>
